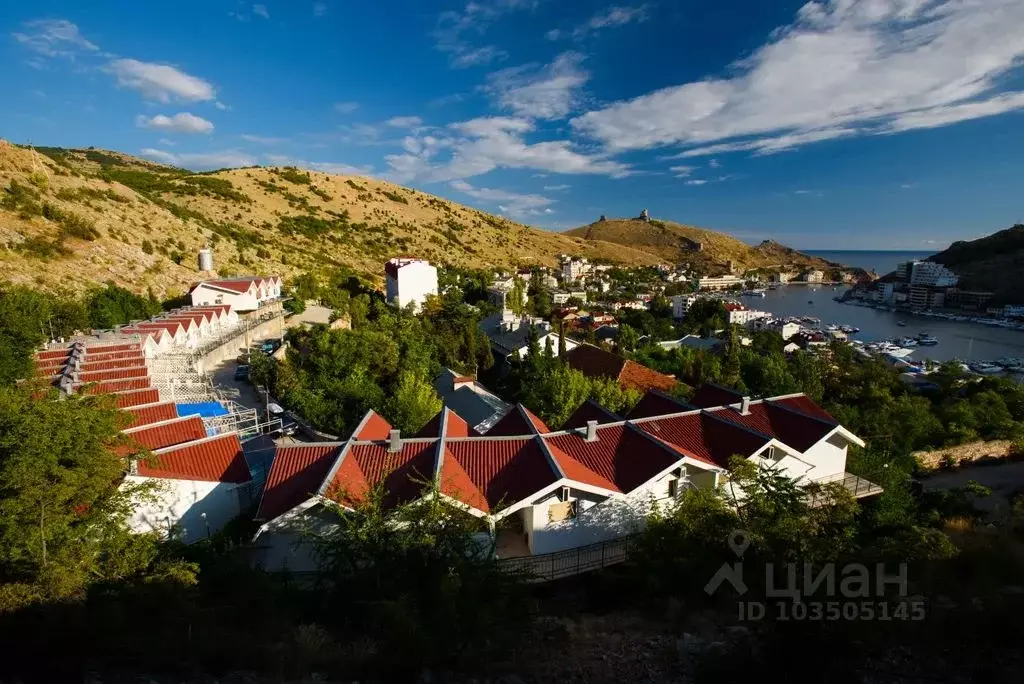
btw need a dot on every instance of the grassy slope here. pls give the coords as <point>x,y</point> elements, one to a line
<point>676,243</point>
<point>239,212</point>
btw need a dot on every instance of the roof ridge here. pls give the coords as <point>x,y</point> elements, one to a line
<point>160,423</point>
<point>204,440</point>
<point>797,412</point>
<point>741,426</point>
<point>552,461</point>
<point>333,470</point>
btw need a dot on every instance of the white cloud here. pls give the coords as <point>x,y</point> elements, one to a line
<point>262,139</point>
<point>319,9</point>
<point>261,11</point>
<point>480,56</point>
<point>475,18</point>
<point>405,122</point>
<point>160,82</point>
<point>338,168</point>
<point>346,107</point>
<point>682,171</point>
<point>162,156</point>
<point>610,18</point>
<point>546,93</point>
<point>843,67</point>
<point>514,203</point>
<point>202,160</point>
<point>696,181</point>
<point>556,188</point>
<point>54,38</point>
<point>221,106</point>
<point>182,122</point>
<point>167,142</point>
<point>714,163</point>
<point>490,143</point>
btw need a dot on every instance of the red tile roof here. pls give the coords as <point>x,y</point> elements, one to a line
<point>656,403</point>
<point>151,413</point>
<point>114,385</point>
<point>348,485</point>
<point>161,435</point>
<point>589,410</point>
<point>807,406</point>
<point>595,362</point>
<point>790,427</point>
<point>91,366</point>
<point>175,328</point>
<point>296,475</point>
<point>54,354</point>
<point>137,397</point>
<point>372,426</point>
<point>505,470</point>
<point>215,459</point>
<point>402,474</point>
<point>708,395</point>
<point>621,455</point>
<point>107,348</point>
<point>454,481</point>
<point>456,426</point>
<point>115,356</point>
<point>240,285</point>
<point>517,422</point>
<point>705,438</point>
<point>114,374</point>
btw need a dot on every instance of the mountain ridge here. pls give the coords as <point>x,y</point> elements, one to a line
<point>988,263</point>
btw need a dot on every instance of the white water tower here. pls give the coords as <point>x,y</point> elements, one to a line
<point>206,259</point>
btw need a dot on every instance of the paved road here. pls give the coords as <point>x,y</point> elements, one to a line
<point>1004,480</point>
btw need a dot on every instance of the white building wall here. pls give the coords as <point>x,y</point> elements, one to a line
<point>415,281</point>
<point>828,458</point>
<point>179,504</point>
<point>600,518</point>
<point>208,296</point>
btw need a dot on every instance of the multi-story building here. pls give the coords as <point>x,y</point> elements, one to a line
<point>562,296</point>
<point>928,274</point>
<point>741,315</point>
<point>967,299</point>
<point>681,303</point>
<point>786,329</point>
<point>1013,311</point>
<point>409,281</point>
<point>723,282</point>
<point>573,269</point>
<point>814,276</point>
<point>884,292</point>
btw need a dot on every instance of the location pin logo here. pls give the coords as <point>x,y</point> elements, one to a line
<point>739,541</point>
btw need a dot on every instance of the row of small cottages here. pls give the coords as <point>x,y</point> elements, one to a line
<point>536,490</point>
<point>203,479</point>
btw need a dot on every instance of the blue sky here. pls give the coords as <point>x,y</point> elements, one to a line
<point>859,124</point>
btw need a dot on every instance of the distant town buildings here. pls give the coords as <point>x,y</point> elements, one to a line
<point>787,329</point>
<point>409,281</point>
<point>573,269</point>
<point>681,303</point>
<point>741,315</point>
<point>510,334</point>
<point>562,296</point>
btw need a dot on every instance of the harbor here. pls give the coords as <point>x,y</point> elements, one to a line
<point>937,338</point>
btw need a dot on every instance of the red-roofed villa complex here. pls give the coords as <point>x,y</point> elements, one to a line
<point>542,491</point>
<point>242,294</point>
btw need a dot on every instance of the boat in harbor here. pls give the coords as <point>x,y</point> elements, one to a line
<point>926,340</point>
<point>902,324</point>
<point>906,342</point>
<point>986,368</point>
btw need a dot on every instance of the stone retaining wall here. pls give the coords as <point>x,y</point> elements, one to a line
<point>963,454</point>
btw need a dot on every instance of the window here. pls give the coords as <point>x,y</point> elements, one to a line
<point>673,488</point>
<point>563,510</point>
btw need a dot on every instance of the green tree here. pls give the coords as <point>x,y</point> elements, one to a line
<point>413,404</point>
<point>629,338</point>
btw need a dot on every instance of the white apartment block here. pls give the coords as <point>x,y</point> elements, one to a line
<point>741,315</point>
<point>929,274</point>
<point>814,276</point>
<point>409,281</point>
<point>563,297</point>
<point>681,303</point>
<point>718,282</point>
<point>574,269</point>
<point>244,293</point>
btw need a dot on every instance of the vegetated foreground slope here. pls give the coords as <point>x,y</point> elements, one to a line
<point>706,251</point>
<point>993,263</point>
<point>72,218</point>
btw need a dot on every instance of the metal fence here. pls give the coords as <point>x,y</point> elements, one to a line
<point>854,484</point>
<point>552,566</point>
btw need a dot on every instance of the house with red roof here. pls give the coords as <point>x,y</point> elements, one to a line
<point>539,490</point>
<point>246,293</point>
<point>194,487</point>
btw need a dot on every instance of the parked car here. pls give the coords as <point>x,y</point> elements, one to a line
<point>242,372</point>
<point>288,425</point>
<point>270,346</point>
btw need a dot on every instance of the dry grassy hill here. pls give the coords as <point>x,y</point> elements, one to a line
<point>705,250</point>
<point>72,218</point>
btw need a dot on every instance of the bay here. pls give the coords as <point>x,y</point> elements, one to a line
<point>879,261</point>
<point>961,340</point>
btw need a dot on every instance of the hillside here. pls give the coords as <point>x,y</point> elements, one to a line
<point>992,263</point>
<point>706,251</point>
<point>72,218</point>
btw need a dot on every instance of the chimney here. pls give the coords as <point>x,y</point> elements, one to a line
<point>745,406</point>
<point>395,441</point>
<point>591,431</point>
